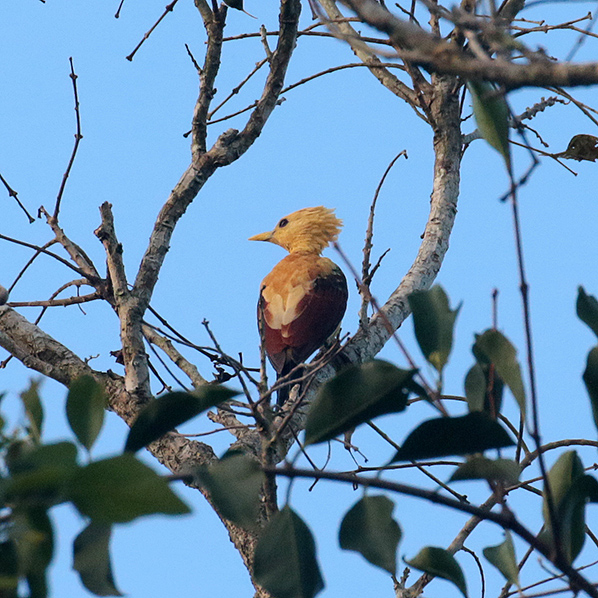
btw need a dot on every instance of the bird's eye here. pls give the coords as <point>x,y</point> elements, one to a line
<point>283,223</point>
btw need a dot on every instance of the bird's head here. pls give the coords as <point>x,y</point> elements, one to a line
<point>309,229</point>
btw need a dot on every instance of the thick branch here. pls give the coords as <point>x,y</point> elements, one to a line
<point>440,56</point>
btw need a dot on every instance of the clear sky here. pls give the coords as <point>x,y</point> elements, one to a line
<point>329,144</point>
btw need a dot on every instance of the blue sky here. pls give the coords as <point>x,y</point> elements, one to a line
<point>329,144</point>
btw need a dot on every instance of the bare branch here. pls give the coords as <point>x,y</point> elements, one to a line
<point>168,8</point>
<point>13,193</point>
<point>437,55</point>
<point>78,137</point>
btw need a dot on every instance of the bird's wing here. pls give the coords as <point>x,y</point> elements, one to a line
<point>299,316</point>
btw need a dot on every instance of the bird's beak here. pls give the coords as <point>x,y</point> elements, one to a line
<point>262,237</point>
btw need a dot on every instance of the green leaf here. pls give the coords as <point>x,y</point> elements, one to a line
<point>235,483</point>
<point>475,388</point>
<point>237,4</point>
<point>478,467</point>
<point>439,563</point>
<point>285,561</point>
<point>91,558</point>
<point>497,349</point>
<point>590,379</point>
<point>9,569</point>
<point>85,408</point>
<point>171,410</point>
<point>491,113</point>
<point>504,559</point>
<point>120,489</point>
<point>434,322</point>
<point>356,395</point>
<point>39,475</point>
<point>587,309</point>
<point>443,436</point>
<point>33,409</point>
<point>569,488</point>
<point>368,528</point>
<point>32,531</point>
<point>32,528</point>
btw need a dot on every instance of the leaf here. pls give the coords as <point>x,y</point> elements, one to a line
<point>590,379</point>
<point>492,116</point>
<point>235,483</point>
<point>171,410</point>
<point>356,395</point>
<point>33,409</point>
<point>478,467</point>
<point>443,436</point>
<point>33,531</point>
<point>498,350</point>
<point>41,474</point>
<point>285,558</point>
<point>9,569</point>
<point>440,563</point>
<point>570,490</point>
<point>504,559</point>
<point>475,388</point>
<point>581,147</point>
<point>368,528</point>
<point>434,322</point>
<point>91,559</point>
<point>85,408</point>
<point>587,309</point>
<point>120,489</point>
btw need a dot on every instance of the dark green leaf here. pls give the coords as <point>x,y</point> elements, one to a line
<point>91,558</point>
<point>356,395</point>
<point>590,378</point>
<point>34,409</point>
<point>120,489</point>
<point>478,467</point>
<point>171,410</point>
<point>9,569</point>
<point>85,408</point>
<point>368,528</point>
<point>440,563</point>
<point>39,475</point>
<point>475,388</point>
<point>33,531</point>
<point>237,4</point>
<point>443,436</point>
<point>37,584</point>
<point>285,561</point>
<point>498,350</point>
<point>491,113</point>
<point>434,322</point>
<point>504,559</point>
<point>571,489</point>
<point>34,537</point>
<point>587,309</point>
<point>235,483</point>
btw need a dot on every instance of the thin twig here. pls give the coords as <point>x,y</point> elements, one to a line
<point>13,193</point>
<point>117,14</point>
<point>167,9</point>
<point>78,137</point>
<point>366,273</point>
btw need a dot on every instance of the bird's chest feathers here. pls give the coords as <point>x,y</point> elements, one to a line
<point>289,284</point>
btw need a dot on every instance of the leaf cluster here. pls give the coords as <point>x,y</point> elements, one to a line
<point>105,491</point>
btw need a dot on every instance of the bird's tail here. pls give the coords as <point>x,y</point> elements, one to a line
<point>283,393</point>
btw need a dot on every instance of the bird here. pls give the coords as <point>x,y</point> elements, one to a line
<point>303,299</point>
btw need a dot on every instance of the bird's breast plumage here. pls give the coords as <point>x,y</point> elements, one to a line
<point>302,302</point>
